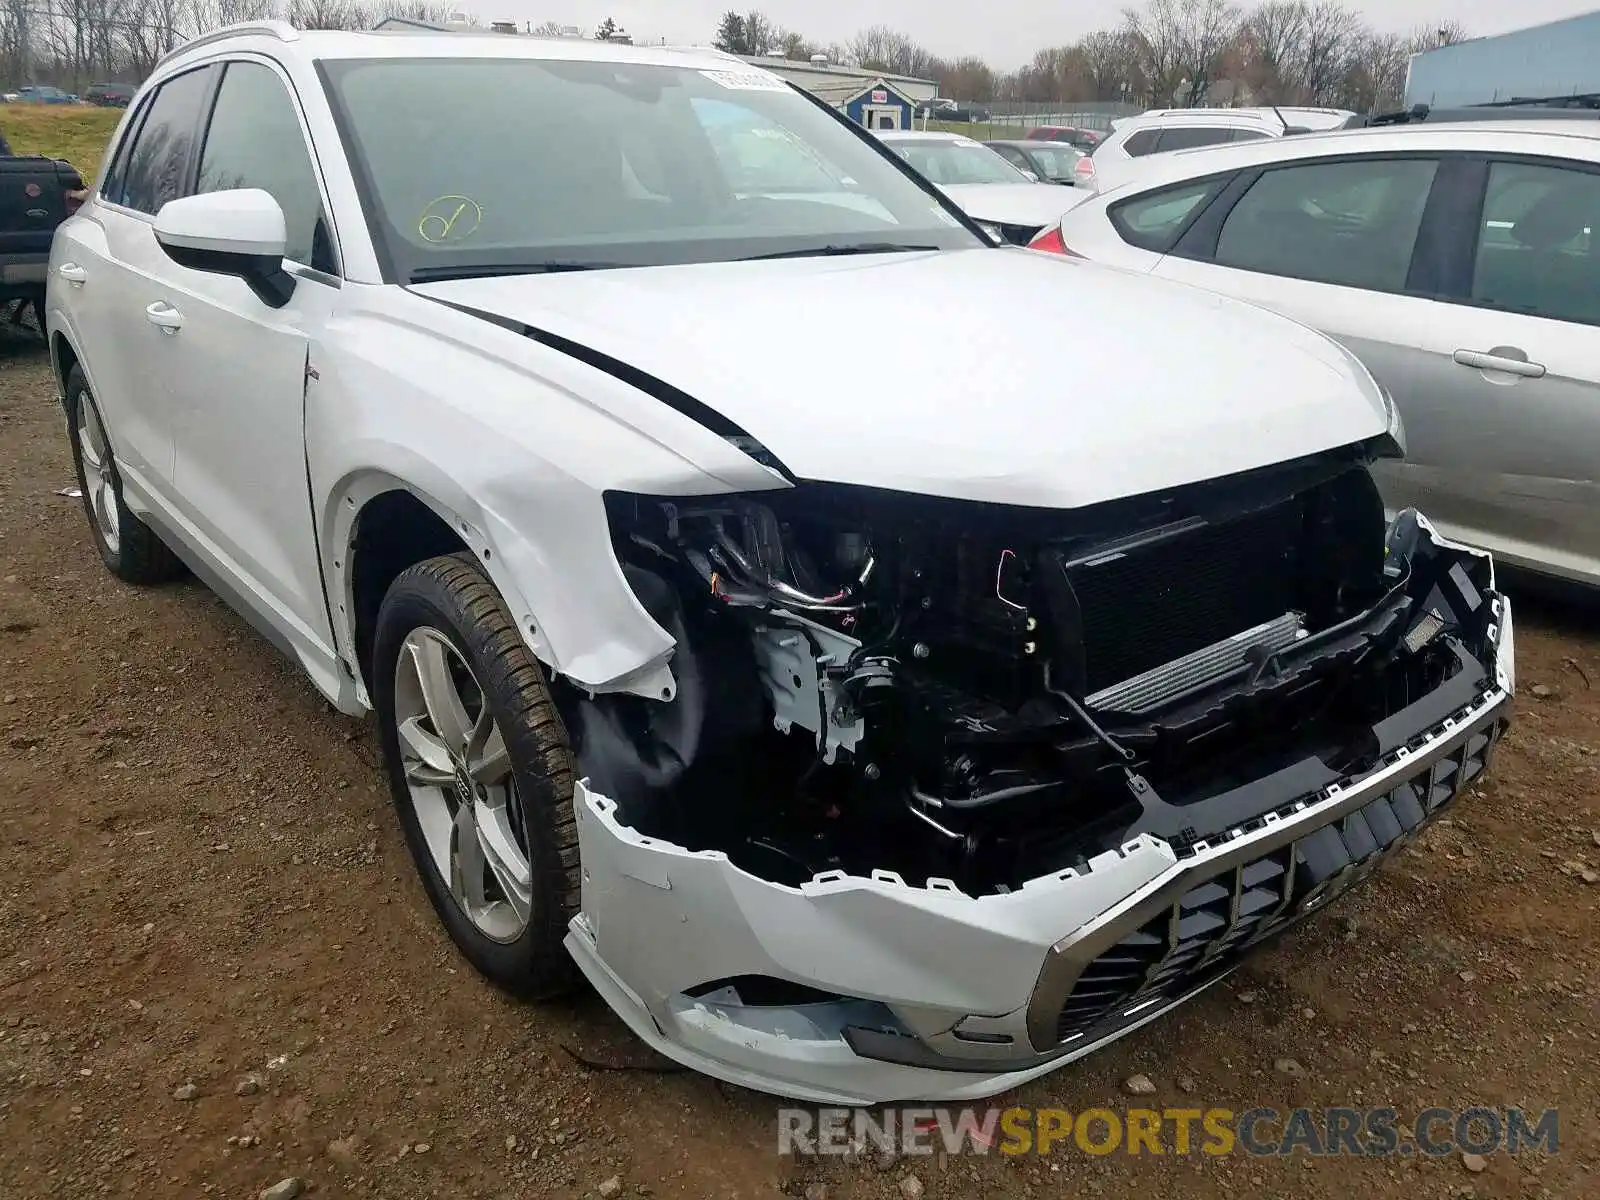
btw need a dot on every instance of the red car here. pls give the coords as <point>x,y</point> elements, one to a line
<point>1083,139</point>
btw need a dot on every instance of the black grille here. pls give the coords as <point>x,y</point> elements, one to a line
<point>1150,604</point>
<point>1210,927</point>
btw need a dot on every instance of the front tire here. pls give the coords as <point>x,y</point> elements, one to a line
<point>129,548</point>
<point>480,771</point>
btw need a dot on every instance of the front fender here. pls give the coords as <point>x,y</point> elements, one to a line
<point>575,611</point>
<point>513,445</point>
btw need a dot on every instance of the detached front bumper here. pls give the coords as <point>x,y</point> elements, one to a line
<point>924,993</point>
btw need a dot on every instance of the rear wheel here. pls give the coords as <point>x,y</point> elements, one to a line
<point>480,772</point>
<point>129,548</point>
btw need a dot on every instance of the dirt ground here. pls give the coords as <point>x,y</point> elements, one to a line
<point>206,896</point>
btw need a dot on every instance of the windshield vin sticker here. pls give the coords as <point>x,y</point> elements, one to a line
<point>747,81</point>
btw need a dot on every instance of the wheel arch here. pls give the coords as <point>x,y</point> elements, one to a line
<point>378,523</point>
<point>63,357</point>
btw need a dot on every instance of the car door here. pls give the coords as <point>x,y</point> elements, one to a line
<point>237,367</point>
<point>1333,243</point>
<point>1519,439</point>
<point>119,274</point>
<point>80,253</point>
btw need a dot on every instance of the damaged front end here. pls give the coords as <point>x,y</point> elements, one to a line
<point>948,793</point>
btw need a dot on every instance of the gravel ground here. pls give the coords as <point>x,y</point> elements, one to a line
<point>218,972</point>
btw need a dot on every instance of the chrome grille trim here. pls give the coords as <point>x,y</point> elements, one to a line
<point>1439,760</point>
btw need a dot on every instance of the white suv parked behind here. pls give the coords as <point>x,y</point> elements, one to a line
<point>870,716</point>
<point>1161,130</point>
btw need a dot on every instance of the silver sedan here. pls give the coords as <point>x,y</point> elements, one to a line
<point>1457,260</point>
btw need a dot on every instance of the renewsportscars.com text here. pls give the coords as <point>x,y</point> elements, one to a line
<point>1365,1132</point>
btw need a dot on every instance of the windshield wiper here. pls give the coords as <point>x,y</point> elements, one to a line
<point>834,251</point>
<point>547,267</point>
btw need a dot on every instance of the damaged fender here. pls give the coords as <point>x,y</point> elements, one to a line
<point>520,483</point>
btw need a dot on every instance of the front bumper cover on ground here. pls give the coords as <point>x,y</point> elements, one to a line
<point>944,996</point>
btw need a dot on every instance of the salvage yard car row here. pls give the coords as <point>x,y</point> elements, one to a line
<point>903,738</point>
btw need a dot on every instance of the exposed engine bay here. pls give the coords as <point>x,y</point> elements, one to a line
<point>870,680</point>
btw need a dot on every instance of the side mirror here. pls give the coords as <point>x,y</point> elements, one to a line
<point>238,232</point>
<point>1032,178</point>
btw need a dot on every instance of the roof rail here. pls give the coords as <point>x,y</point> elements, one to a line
<point>1417,112</point>
<point>1477,112</point>
<point>274,28</point>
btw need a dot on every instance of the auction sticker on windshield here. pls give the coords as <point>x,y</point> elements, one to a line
<point>747,81</point>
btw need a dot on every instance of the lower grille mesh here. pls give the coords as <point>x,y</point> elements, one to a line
<point>1207,930</point>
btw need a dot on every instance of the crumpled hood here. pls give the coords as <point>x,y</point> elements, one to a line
<point>1038,204</point>
<point>1001,375</point>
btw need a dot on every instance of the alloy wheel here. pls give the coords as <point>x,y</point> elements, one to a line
<point>99,478</point>
<point>462,788</point>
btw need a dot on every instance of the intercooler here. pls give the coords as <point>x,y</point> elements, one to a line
<point>1187,591</point>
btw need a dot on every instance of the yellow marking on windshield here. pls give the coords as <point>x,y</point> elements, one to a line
<point>449,219</point>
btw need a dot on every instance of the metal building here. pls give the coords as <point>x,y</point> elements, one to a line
<point>1559,60</point>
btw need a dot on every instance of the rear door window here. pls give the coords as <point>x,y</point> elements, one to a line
<point>1352,223</point>
<point>1188,137</point>
<point>111,186</point>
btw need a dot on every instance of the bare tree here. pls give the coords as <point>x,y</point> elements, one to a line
<point>1044,78</point>
<point>1169,51</point>
<point>213,14</point>
<point>328,14</point>
<point>1178,46</point>
<point>153,28</point>
<point>1446,33</point>
<point>1333,33</point>
<point>795,46</point>
<point>1376,80</point>
<point>1109,64</point>
<point>429,13</point>
<point>965,78</point>
<point>1272,44</point>
<point>880,48</point>
<point>760,34</point>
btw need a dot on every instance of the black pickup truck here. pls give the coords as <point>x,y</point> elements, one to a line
<point>36,195</point>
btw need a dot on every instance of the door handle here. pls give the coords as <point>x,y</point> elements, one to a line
<point>166,318</point>
<point>1489,361</point>
<point>72,273</point>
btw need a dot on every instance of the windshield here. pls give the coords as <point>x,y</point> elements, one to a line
<point>483,165</point>
<point>946,161</point>
<point>1055,160</point>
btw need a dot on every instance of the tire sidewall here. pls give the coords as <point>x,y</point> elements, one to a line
<point>77,387</point>
<point>415,600</point>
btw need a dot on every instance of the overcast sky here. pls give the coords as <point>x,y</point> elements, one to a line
<point>1005,32</point>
